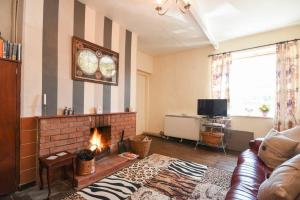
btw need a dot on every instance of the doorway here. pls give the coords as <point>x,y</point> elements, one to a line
<point>142,95</point>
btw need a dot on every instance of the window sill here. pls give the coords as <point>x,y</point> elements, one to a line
<point>248,116</point>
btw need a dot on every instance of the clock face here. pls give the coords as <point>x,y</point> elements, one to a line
<point>107,66</point>
<point>87,61</point>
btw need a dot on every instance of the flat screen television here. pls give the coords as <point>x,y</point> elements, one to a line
<point>212,107</point>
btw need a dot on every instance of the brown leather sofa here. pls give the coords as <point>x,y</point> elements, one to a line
<point>249,173</point>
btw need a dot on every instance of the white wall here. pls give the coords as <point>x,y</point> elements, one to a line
<point>179,79</point>
<point>6,18</point>
<point>145,62</point>
<point>176,83</point>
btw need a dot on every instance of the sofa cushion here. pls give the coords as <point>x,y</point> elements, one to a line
<point>284,182</point>
<point>294,134</point>
<point>276,149</point>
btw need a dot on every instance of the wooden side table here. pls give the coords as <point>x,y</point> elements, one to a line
<point>50,165</point>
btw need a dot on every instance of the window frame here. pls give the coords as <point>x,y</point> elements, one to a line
<point>253,53</point>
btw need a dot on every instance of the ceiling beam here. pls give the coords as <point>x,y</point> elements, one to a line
<point>199,20</point>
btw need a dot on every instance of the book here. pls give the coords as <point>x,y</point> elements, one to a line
<point>19,52</point>
<point>1,48</point>
<point>14,51</point>
<point>52,157</point>
<point>129,155</point>
<point>4,49</point>
<point>61,154</point>
<point>7,48</point>
<point>10,50</point>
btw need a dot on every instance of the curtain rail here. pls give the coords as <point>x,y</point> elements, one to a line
<point>253,47</point>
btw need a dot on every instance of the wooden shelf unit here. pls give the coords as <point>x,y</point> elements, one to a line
<point>214,132</point>
<point>10,76</point>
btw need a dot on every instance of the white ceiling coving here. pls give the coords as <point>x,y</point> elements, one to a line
<point>208,22</point>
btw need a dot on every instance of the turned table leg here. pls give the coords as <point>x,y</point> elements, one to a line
<point>74,168</point>
<point>49,182</point>
<point>41,176</point>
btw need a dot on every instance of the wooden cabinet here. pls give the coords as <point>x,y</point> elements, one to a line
<point>9,125</point>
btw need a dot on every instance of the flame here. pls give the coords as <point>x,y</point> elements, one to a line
<point>95,141</point>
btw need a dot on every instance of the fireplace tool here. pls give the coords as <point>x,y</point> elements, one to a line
<point>121,144</point>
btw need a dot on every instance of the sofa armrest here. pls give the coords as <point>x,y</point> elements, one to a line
<point>254,144</point>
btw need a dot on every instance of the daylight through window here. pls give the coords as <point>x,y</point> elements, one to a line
<point>253,82</point>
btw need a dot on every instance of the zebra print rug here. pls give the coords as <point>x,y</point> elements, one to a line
<point>159,177</point>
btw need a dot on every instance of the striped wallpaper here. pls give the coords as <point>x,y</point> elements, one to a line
<point>47,31</point>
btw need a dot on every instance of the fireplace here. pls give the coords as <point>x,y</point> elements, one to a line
<point>100,141</point>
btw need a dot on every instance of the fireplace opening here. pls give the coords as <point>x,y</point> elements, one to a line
<point>100,141</point>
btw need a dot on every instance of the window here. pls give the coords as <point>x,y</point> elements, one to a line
<point>253,82</point>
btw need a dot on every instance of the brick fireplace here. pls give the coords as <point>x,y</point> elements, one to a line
<point>72,133</point>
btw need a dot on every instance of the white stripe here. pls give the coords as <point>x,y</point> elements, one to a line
<point>185,165</point>
<point>99,40</point>
<point>104,194</point>
<point>122,188</point>
<point>191,170</point>
<point>115,46</point>
<point>124,195</point>
<point>65,33</point>
<point>196,165</point>
<point>31,86</point>
<point>188,173</point>
<point>89,35</point>
<point>121,85</point>
<point>118,180</point>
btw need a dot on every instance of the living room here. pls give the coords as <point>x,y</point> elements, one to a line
<point>153,99</point>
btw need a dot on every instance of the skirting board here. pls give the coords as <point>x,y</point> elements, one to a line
<point>236,140</point>
<point>26,186</point>
<point>152,134</point>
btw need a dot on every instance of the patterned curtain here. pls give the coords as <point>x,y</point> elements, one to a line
<point>220,65</point>
<point>286,85</point>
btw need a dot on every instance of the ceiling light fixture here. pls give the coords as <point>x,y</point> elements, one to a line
<point>182,5</point>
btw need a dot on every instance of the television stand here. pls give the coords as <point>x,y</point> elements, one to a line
<point>212,132</point>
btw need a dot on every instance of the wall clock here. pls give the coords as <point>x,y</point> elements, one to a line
<point>94,63</point>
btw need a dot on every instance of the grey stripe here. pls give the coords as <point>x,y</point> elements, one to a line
<point>78,86</point>
<point>50,49</point>
<point>107,44</point>
<point>127,69</point>
<point>107,33</point>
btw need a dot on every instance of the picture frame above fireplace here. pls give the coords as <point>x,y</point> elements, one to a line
<point>93,63</point>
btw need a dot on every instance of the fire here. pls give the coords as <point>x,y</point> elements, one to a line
<point>95,141</point>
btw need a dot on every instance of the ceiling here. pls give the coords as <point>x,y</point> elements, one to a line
<point>209,22</point>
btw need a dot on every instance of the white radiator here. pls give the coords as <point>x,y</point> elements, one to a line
<point>181,126</point>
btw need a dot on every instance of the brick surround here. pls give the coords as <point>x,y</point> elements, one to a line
<point>71,133</point>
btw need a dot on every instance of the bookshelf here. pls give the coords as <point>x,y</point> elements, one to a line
<point>10,51</point>
<point>10,60</point>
